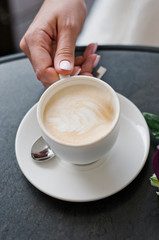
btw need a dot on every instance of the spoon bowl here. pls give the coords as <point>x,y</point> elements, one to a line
<point>41,151</point>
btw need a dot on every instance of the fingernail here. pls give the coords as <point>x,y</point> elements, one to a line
<point>65,65</point>
<point>95,47</point>
<point>78,71</point>
<point>96,61</point>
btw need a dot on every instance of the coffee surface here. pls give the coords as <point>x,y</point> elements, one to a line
<point>79,114</point>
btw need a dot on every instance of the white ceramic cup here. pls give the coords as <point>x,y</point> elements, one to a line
<point>84,153</point>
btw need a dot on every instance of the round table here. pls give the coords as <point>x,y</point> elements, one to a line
<point>27,213</point>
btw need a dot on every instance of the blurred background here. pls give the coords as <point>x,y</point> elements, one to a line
<point>15,17</point>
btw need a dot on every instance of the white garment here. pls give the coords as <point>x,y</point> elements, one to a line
<point>134,22</point>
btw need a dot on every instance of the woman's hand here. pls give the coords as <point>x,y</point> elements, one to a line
<point>50,41</point>
<point>83,64</point>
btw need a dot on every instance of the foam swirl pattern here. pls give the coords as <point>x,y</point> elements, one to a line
<point>79,114</point>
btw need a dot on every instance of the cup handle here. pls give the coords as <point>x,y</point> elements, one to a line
<point>99,73</point>
<point>63,76</point>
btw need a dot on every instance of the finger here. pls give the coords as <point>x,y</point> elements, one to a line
<point>53,50</point>
<point>40,55</point>
<point>42,64</point>
<point>64,57</point>
<point>79,60</point>
<point>76,71</point>
<point>24,47</point>
<point>87,74</point>
<point>90,49</point>
<point>90,63</point>
<point>46,85</point>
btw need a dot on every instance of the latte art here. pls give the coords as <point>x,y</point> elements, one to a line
<point>79,114</point>
<point>81,120</point>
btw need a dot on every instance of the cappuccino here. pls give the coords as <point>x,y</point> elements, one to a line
<point>79,114</point>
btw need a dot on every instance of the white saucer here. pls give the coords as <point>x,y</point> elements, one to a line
<point>101,179</point>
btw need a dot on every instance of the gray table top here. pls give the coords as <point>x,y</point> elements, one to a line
<point>27,213</point>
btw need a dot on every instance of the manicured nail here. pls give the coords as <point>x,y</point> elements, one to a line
<point>65,65</point>
<point>95,47</point>
<point>78,71</point>
<point>96,61</point>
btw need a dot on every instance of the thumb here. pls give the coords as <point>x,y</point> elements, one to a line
<point>64,57</point>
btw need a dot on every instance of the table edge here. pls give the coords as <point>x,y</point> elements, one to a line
<point>137,48</point>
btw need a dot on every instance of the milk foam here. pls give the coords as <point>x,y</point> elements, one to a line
<point>79,114</point>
